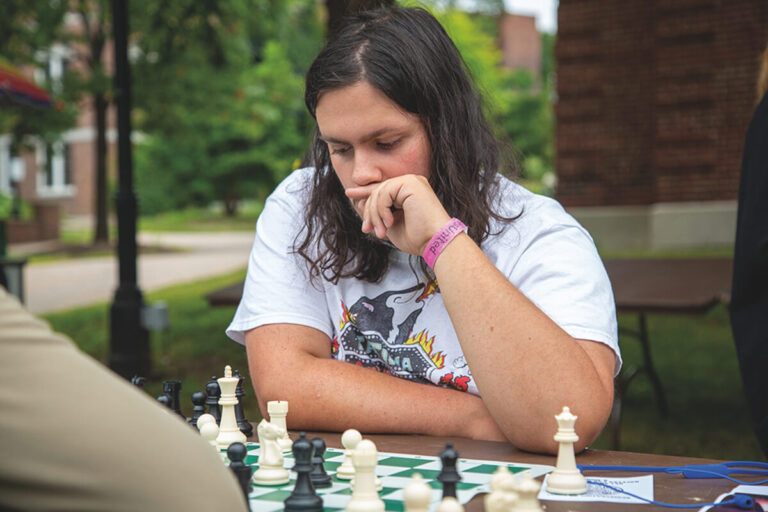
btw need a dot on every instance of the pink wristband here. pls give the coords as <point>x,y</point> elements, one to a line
<point>442,238</point>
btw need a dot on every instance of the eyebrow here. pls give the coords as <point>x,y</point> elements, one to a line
<point>366,138</point>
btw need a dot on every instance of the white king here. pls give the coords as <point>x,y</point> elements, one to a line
<point>228,430</point>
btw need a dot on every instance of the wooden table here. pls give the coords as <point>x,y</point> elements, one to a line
<point>662,286</point>
<point>667,488</point>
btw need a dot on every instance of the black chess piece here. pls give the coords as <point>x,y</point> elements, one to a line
<point>449,476</point>
<point>172,389</point>
<point>213,391</point>
<point>138,381</point>
<point>163,399</point>
<point>198,408</point>
<point>303,498</point>
<point>320,479</point>
<point>236,454</point>
<point>243,424</point>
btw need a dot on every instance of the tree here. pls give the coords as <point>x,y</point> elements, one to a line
<point>517,102</point>
<point>93,15</point>
<point>28,29</point>
<point>220,100</point>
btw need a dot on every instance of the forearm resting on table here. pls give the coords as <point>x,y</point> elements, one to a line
<point>293,363</point>
<point>525,366</point>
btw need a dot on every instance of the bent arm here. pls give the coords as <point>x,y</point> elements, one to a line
<point>525,366</point>
<point>293,363</point>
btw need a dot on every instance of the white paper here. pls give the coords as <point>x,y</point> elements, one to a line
<point>752,490</point>
<point>639,485</point>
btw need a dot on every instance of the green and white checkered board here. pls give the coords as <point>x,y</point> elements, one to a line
<point>395,471</point>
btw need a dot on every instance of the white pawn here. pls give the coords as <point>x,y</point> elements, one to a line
<point>271,470</point>
<point>450,504</point>
<point>205,418</point>
<point>229,432</point>
<point>417,495</point>
<point>209,431</point>
<point>528,495</point>
<point>278,410</point>
<point>503,495</point>
<point>349,440</point>
<point>365,497</point>
<point>566,477</point>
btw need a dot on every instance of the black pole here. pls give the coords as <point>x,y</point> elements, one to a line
<point>129,340</point>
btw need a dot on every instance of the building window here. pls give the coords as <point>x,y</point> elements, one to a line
<point>54,165</point>
<point>5,164</point>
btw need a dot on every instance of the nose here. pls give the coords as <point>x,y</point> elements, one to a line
<point>366,170</point>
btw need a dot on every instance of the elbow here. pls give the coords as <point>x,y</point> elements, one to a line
<point>539,436</point>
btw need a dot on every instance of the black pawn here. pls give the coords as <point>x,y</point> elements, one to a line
<point>320,479</point>
<point>449,476</point>
<point>198,408</point>
<point>172,389</point>
<point>243,424</point>
<point>163,399</point>
<point>303,498</point>
<point>236,454</point>
<point>138,381</point>
<point>213,391</point>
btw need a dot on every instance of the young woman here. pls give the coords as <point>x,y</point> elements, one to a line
<point>362,262</point>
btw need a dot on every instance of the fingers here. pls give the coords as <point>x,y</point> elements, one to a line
<point>375,205</point>
<point>403,209</point>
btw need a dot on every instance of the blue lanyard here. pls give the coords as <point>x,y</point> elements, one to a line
<point>720,470</point>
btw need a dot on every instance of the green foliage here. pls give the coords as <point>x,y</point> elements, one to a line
<point>28,29</point>
<point>6,208</point>
<point>517,103</point>
<point>221,99</point>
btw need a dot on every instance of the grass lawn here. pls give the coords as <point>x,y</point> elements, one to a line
<point>193,349</point>
<point>696,362</point>
<point>204,219</point>
<point>694,356</point>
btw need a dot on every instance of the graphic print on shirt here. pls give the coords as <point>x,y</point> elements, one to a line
<point>378,333</point>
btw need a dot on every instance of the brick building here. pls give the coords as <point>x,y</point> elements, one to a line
<point>520,42</point>
<point>654,99</point>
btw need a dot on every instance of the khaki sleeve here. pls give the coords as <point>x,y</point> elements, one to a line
<point>75,436</point>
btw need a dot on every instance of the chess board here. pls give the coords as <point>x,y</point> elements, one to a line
<point>395,471</point>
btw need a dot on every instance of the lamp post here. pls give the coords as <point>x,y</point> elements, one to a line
<point>129,340</point>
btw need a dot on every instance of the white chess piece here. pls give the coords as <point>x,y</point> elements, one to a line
<point>210,431</point>
<point>349,440</point>
<point>503,495</point>
<point>229,432</point>
<point>450,504</point>
<point>528,495</point>
<point>271,470</point>
<point>417,495</point>
<point>205,418</point>
<point>278,410</point>
<point>566,477</point>
<point>365,497</point>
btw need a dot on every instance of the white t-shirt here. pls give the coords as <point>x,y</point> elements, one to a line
<point>400,325</point>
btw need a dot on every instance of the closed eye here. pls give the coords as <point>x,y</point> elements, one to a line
<point>340,151</point>
<point>387,145</point>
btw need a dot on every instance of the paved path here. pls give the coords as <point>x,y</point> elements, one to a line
<point>67,284</point>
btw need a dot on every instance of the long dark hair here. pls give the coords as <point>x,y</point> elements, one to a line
<point>406,54</point>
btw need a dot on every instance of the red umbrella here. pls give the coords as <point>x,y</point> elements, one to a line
<point>14,87</point>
